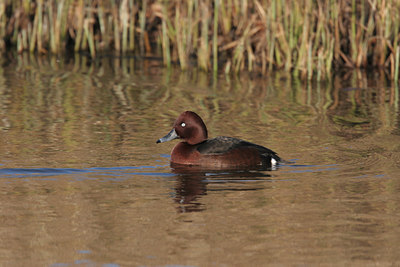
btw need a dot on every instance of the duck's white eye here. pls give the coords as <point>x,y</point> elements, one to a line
<point>183,124</point>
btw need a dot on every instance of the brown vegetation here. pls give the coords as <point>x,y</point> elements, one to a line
<point>306,37</point>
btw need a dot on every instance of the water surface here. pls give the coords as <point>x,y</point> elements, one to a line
<point>84,183</point>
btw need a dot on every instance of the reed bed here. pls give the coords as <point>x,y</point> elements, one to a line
<point>309,38</point>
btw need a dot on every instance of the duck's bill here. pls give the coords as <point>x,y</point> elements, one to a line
<point>170,136</point>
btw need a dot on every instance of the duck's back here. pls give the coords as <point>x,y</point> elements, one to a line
<point>223,144</point>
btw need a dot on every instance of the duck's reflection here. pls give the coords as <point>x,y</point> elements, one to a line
<point>192,183</point>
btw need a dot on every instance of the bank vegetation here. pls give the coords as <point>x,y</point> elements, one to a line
<point>309,38</point>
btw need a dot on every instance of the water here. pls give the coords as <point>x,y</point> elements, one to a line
<point>84,183</point>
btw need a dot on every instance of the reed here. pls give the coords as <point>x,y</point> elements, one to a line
<point>142,25</point>
<point>203,54</point>
<point>215,36</point>
<point>165,39</point>
<point>309,38</point>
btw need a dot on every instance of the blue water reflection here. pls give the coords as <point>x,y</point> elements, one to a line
<point>113,172</point>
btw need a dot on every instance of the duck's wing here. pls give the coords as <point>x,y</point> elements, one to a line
<point>219,145</point>
<point>223,144</point>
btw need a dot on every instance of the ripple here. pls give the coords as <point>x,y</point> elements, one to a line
<point>311,168</point>
<point>111,173</point>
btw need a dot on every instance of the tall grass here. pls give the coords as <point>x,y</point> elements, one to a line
<point>310,38</point>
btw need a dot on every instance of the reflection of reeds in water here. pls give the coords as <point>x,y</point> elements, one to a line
<point>306,37</point>
<point>73,102</point>
<point>350,99</point>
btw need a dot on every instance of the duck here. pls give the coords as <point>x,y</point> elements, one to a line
<point>222,152</point>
